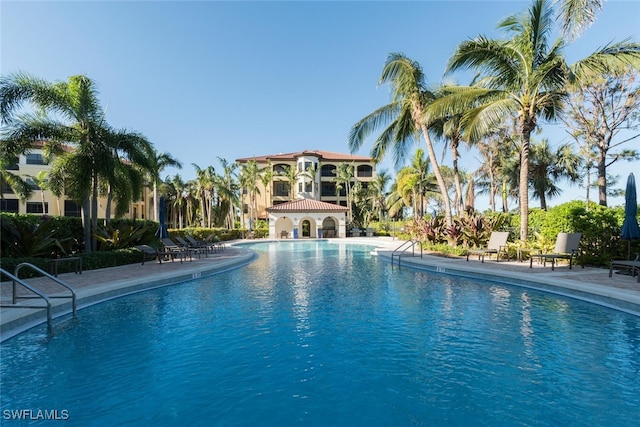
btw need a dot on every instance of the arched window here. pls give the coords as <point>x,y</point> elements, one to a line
<point>365,171</point>
<point>280,168</point>
<point>328,170</point>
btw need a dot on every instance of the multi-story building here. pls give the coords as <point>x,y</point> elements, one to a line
<point>42,201</point>
<point>305,196</point>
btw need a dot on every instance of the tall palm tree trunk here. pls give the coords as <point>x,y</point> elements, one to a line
<point>86,223</point>
<point>458,204</point>
<point>438,174</point>
<point>94,212</point>
<point>524,182</point>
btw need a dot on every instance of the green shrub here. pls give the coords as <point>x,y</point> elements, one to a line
<point>202,233</point>
<point>10,264</point>
<point>124,234</point>
<point>29,238</point>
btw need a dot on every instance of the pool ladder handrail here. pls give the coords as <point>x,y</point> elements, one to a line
<point>40,294</point>
<point>403,248</point>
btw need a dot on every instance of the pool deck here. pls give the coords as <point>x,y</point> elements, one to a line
<point>94,286</point>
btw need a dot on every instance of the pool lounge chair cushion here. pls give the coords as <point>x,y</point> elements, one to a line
<point>567,245</point>
<point>496,245</point>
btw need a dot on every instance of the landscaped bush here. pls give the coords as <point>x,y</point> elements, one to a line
<point>26,237</point>
<point>124,234</point>
<point>203,233</point>
<point>90,261</point>
<point>600,227</point>
<point>10,264</point>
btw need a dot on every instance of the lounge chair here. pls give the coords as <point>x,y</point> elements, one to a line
<point>497,244</point>
<point>566,248</point>
<point>216,242</point>
<point>150,253</point>
<point>632,266</point>
<point>196,248</point>
<point>210,246</point>
<point>176,251</point>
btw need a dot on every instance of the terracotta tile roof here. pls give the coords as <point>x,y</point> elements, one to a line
<point>323,155</point>
<point>39,144</point>
<point>306,205</point>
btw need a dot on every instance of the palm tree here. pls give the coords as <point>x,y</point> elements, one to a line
<point>404,118</point>
<point>249,176</point>
<point>179,200</point>
<point>159,161</point>
<point>8,160</point>
<point>206,184</point>
<point>228,191</point>
<point>292,175</point>
<point>343,177</point>
<point>450,129</point>
<point>577,15</point>
<point>417,175</point>
<point>524,76</point>
<point>265,178</point>
<point>378,194</point>
<point>123,174</point>
<point>69,113</point>
<point>40,181</point>
<point>548,166</point>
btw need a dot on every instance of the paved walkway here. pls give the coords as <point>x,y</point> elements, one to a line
<point>93,286</point>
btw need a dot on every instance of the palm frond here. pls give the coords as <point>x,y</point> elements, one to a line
<point>481,121</point>
<point>370,123</point>
<point>615,58</point>
<point>577,15</point>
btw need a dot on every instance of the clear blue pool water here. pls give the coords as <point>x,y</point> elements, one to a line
<point>317,334</point>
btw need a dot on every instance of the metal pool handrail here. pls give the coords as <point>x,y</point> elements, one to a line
<point>400,250</point>
<point>42,295</point>
<point>55,279</point>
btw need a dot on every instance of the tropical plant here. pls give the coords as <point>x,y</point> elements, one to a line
<point>547,167</point>
<point>343,179</point>
<point>120,236</point>
<point>228,193</point>
<point>31,239</point>
<point>69,113</point>
<point>378,194</point>
<point>266,178</point>
<point>524,76</point>
<point>249,177</point>
<point>577,15</point>
<point>206,186</point>
<point>158,162</point>
<point>8,159</point>
<point>404,118</point>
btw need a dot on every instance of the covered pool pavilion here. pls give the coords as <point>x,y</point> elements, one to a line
<point>307,218</point>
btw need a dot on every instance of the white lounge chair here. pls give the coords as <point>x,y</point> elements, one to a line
<point>496,245</point>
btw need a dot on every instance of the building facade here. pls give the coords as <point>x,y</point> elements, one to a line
<point>42,202</point>
<point>312,175</point>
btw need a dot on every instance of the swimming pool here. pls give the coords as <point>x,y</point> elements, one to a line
<point>319,333</point>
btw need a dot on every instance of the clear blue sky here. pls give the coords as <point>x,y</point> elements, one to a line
<point>209,79</point>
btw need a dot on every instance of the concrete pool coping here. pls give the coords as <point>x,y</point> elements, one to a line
<point>621,292</point>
